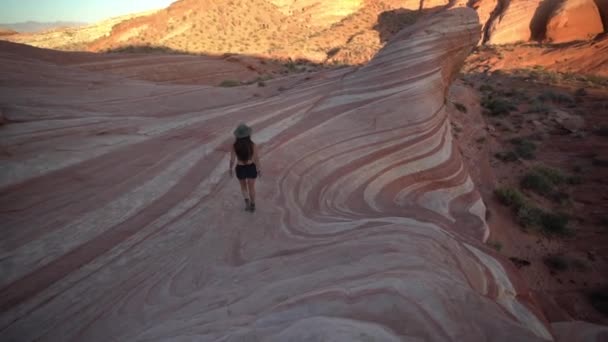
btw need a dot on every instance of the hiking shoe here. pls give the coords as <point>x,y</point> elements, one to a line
<point>247,204</point>
<point>252,207</point>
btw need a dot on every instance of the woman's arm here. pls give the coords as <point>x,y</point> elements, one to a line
<point>232,158</point>
<point>256,158</point>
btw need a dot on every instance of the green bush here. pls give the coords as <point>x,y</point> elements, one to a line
<point>230,83</point>
<point>486,87</point>
<point>524,148</point>
<point>495,244</point>
<point>538,183</point>
<point>539,107</point>
<point>600,162</point>
<point>556,262</point>
<point>549,95</point>
<point>599,300</point>
<point>529,216</point>
<point>507,156</point>
<point>554,224</point>
<point>497,107</point>
<point>510,197</point>
<point>553,175</point>
<point>602,131</point>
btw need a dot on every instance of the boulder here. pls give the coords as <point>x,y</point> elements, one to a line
<point>574,20</point>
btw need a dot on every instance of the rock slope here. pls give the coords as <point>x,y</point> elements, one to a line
<point>120,222</point>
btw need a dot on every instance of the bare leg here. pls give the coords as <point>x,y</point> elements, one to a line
<point>244,188</point>
<point>251,186</point>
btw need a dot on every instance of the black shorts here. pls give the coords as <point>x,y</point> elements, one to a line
<point>246,171</point>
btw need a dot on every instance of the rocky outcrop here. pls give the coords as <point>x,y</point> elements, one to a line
<point>602,6</point>
<point>485,9</point>
<point>511,21</point>
<point>120,221</point>
<point>574,20</point>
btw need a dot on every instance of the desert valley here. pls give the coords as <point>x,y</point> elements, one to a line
<point>432,171</point>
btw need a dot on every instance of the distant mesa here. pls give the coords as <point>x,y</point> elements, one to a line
<point>343,32</point>
<point>6,32</point>
<point>36,27</point>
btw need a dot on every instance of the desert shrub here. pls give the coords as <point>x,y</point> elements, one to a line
<point>553,175</point>
<point>486,87</point>
<point>549,95</point>
<point>524,148</point>
<point>261,84</point>
<point>599,300</point>
<point>579,265</point>
<point>554,224</point>
<point>291,66</point>
<point>510,197</point>
<point>556,262</point>
<point>497,107</point>
<point>538,183</point>
<point>539,107</point>
<point>602,131</point>
<point>495,244</point>
<point>529,216</point>
<point>462,108</point>
<point>509,156</point>
<point>597,161</point>
<point>229,83</point>
<point>574,180</point>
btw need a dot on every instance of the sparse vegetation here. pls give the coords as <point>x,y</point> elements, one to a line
<point>543,180</point>
<point>524,148</point>
<point>599,300</point>
<point>601,131</point>
<point>497,107</point>
<point>486,88</point>
<point>539,107</point>
<point>555,224</point>
<point>537,183</point>
<point>597,161</point>
<point>510,197</point>
<point>530,216</point>
<point>550,95</point>
<point>230,83</point>
<point>556,262</point>
<point>581,92</point>
<point>495,244</point>
<point>509,156</point>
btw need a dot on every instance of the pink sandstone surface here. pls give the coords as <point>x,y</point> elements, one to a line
<point>120,222</point>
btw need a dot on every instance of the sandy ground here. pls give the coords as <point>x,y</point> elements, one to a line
<point>564,295</point>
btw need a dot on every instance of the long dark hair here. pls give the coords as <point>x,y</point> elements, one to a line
<point>243,147</point>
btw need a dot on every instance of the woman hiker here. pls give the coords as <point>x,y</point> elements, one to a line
<point>247,164</point>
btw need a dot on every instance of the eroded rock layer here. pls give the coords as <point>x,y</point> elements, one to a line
<point>511,22</point>
<point>574,20</point>
<point>120,222</point>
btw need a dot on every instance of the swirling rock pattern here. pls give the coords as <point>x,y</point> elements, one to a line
<point>120,222</point>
